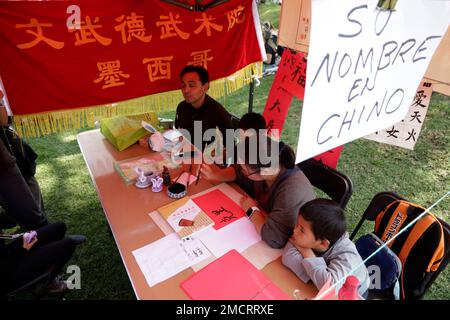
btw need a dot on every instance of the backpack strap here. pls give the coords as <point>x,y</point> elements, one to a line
<point>391,219</point>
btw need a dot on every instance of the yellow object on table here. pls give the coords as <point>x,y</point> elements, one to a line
<point>124,131</point>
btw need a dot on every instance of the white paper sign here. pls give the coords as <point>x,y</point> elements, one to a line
<point>364,66</point>
<point>406,132</point>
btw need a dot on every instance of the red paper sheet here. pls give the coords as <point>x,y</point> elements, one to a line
<point>220,208</point>
<point>231,277</point>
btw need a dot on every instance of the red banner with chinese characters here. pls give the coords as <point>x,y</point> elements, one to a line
<point>279,99</point>
<point>118,51</point>
<point>290,81</point>
<point>295,79</point>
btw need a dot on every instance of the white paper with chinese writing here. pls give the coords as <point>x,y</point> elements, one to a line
<point>406,132</point>
<point>168,256</point>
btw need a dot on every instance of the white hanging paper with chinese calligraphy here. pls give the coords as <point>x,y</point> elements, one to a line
<point>406,132</point>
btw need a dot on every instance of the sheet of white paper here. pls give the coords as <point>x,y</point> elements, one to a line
<point>260,254</point>
<point>238,235</point>
<point>203,263</point>
<point>168,256</point>
<point>364,66</point>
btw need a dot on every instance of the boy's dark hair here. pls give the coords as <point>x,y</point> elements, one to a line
<point>252,120</point>
<point>202,72</point>
<point>326,217</point>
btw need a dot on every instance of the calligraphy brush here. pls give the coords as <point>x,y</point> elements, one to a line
<point>189,176</point>
<point>198,174</point>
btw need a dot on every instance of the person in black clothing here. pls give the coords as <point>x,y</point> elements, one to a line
<point>27,258</point>
<point>16,198</point>
<point>273,51</point>
<point>198,106</point>
<point>20,195</point>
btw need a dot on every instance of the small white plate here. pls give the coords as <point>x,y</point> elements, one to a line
<point>142,186</point>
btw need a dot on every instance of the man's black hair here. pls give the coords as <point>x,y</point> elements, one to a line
<point>202,72</point>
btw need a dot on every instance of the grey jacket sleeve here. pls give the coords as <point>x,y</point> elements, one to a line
<point>293,259</point>
<point>319,272</point>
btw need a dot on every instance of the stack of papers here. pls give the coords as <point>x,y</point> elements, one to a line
<point>185,217</point>
<point>233,232</point>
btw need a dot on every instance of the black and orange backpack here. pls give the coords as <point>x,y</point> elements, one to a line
<point>423,248</point>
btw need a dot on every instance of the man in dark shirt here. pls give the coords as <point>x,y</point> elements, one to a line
<point>198,106</point>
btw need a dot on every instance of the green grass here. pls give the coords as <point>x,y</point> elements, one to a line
<point>70,196</point>
<point>270,12</point>
<point>421,175</point>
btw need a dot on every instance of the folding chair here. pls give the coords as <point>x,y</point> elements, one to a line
<point>414,268</point>
<point>377,204</point>
<point>335,184</point>
<point>29,286</point>
<point>234,121</point>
